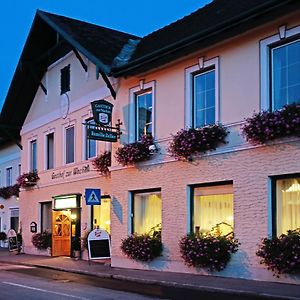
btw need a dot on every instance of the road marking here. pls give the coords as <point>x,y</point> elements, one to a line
<point>42,290</point>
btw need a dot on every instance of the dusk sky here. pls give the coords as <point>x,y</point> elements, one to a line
<point>136,17</point>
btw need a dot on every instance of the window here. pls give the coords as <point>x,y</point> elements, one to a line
<point>70,144</point>
<point>14,219</point>
<point>90,145</point>
<point>19,170</point>
<point>287,204</point>
<point>9,176</point>
<point>46,216</point>
<point>202,94</point>
<point>143,110</point>
<point>212,208</point>
<point>101,214</point>
<point>147,211</point>
<point>50,151</point>
<point>285,72</point>
<point>65,79</point>
<point>33,155</point>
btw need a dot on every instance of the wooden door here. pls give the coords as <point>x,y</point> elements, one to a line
<point>61,233</point>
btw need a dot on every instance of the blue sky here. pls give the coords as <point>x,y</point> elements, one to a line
<point>136,17</point>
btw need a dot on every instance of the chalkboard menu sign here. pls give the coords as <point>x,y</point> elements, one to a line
<point>12,240</point>
<point>98,244</point>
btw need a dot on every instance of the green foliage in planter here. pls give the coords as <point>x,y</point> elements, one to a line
<point>9,191</point>
<point>102,162</point>
<point>281,254</point>
<point>187,142</point>
<point>42,240</point>
<point>266,126</point>
<point>3,236</point>
<point>207,251</point>
<point>28,179</point>
<point>144,247</point>
<point>135,152</point>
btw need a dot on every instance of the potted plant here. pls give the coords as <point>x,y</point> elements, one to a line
<point>3,236</point>
<point>76,247</point>
<point>188,142</point>
<point>28,179</point>
<point>144,247</point>
<point>266,126</point>
<point>102,162</point>
<point>207,251</point>
<point>9,191</point>
<point>42,240</point>
<point>135,152</point>
<point>281,254</point>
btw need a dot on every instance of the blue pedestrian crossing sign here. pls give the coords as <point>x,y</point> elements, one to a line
<point>93,196</point>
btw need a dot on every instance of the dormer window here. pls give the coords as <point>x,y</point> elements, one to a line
<point>65,79</point>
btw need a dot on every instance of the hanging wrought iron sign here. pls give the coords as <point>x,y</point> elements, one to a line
<point>101,129</point>
<point>102,111</point>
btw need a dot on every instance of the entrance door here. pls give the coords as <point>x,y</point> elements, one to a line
<point>61,233</point>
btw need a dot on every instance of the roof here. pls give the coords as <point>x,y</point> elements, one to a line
<point>215,22</point>
<point>99,44</point>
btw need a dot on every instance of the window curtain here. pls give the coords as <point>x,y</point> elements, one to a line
<point>147,211</point>
<point>288,205</point>
<point>212,206</point>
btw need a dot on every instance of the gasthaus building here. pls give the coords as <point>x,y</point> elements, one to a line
<point>62,69</point>
<point>216,66</point>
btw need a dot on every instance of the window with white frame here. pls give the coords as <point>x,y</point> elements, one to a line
<point>46,216</point>
<point>212,208</point>
<point>286,204</point>
<point>9,176</point>
<point>50,151</point>
<point>202,94</point>
<point>147,211</point>
<point>90,145</point>
<point>33,155</point>
<point>141,119</point>
<point>280,66</point>
<point>70,144</point>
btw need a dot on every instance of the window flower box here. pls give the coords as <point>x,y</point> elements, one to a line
<point>28,179</point>
<point>102,162</point>
<point>266,126</point>
<point>188,142</point>
<point>144,247</point>
<point>281,254</point>
<point>135,152</point>
<point>9,191</point>
<point>207,251</point>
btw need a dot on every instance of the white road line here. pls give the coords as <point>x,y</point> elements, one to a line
<point>42,290</point>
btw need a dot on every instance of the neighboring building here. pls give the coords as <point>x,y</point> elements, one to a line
<point>63,67</point>
<point>10,166</point>
<point>214,65</point>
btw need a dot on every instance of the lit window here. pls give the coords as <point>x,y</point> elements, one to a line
<point>9,176</point>
<point>70,145</point>
<point>101,214</point>
<point>33,155</point>
<point>287,204</point>
<point>143,106</point>
<point>147,211</point>
<point>213,209</point>
<point>90,145</point>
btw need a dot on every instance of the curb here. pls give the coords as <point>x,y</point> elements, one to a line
<point>163,283</point>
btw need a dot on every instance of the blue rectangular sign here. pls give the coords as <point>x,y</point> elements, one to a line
<point>92,196</point>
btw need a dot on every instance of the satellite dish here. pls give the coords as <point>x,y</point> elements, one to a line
<point>64,105</point>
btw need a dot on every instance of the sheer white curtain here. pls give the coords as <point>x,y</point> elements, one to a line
<point>212,206</point>
<point>147,211</point>
<point>288,204</point>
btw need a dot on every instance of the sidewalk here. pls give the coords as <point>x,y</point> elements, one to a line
<point>242,287</point>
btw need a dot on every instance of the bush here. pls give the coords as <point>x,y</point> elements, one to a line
<point>266,126</point>
<point>28,179</point>
<point>207,251</point>
<point>187,142</point>
<point>143,247</point>
<point>42,240</point>
<point>281,254</point>
<point>135,152</point>
<point>102,162</point>
<point>3,236</point>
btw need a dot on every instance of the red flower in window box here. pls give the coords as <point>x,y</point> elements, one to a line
<point>28,179</point>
